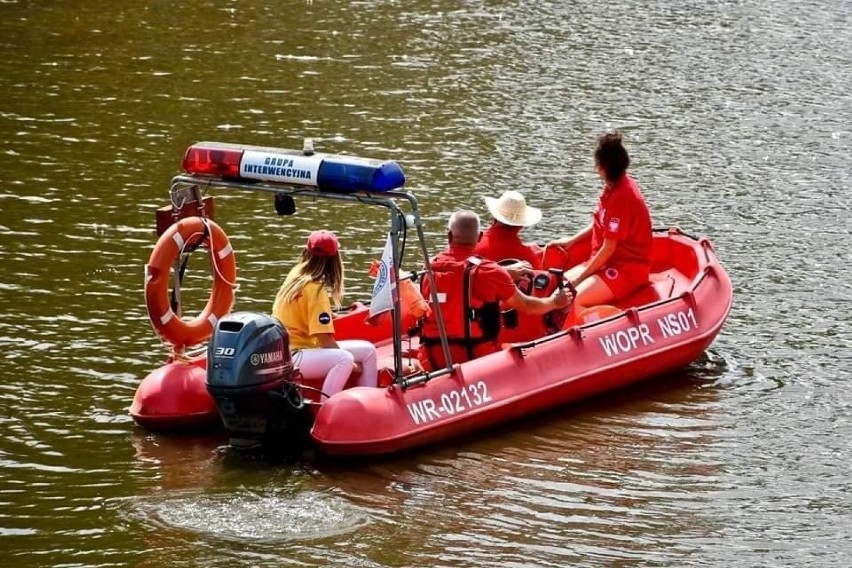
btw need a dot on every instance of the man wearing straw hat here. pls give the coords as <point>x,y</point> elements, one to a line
<point>470,290</point>
<point>502,239</point>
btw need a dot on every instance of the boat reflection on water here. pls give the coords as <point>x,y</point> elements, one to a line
<point>613,472</point>
<point>180,461</point>
<point>634,431</point>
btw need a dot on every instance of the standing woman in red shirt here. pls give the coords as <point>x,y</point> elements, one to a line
<point>620,231</point>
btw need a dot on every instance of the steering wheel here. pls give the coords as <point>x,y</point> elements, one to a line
<point>524,284</point>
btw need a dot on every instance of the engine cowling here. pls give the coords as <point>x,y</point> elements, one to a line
<point>250,376</point>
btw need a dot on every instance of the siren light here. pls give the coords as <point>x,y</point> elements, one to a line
<point>326,172</point>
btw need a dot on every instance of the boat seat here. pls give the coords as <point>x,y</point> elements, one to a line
<point>659,287</point>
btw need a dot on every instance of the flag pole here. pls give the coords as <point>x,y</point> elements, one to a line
<point>397,224</point>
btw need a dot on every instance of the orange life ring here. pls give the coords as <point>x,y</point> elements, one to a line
<point>190,231</point>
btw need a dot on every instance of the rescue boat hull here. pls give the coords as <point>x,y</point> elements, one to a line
<point>689,304</point>
<point>174,398</point>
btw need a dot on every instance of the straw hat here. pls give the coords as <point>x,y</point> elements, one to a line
<point>511,209</point>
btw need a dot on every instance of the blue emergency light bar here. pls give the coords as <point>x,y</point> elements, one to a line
<point>326,172</point>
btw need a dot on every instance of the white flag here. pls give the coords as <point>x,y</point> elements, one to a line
<point>385,286</point>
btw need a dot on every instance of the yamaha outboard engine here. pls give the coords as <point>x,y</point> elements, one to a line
<point>249,375</point>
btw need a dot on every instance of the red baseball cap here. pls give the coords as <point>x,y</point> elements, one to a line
<point>323,243</point>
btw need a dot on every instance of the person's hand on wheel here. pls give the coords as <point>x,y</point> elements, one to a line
<point>519,270</point>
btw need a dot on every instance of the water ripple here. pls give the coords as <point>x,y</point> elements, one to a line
<point>249,515</point>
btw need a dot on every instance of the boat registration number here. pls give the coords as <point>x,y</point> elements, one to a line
<point>449,403</point>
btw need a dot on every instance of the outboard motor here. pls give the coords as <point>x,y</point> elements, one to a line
<point>250,376</point>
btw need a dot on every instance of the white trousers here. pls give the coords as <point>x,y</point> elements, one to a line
<point>336,364</point>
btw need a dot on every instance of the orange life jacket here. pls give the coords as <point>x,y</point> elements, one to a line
<point>467,321</point>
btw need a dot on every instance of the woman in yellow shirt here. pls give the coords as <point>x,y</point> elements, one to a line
<point>304,307</point>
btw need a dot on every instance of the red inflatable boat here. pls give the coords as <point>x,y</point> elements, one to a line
<point>545,361</point>
<point>664,327</point>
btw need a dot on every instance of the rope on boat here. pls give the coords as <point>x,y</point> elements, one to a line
<point>223,253</point>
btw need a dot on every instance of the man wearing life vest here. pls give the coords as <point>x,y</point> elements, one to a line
<point>502,240</point>
<point>470,290</point>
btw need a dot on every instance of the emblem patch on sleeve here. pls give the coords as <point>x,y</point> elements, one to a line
<point>613,225</point>
<point>324,318</point>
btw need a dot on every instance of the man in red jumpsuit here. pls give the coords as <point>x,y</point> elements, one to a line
<point>502,239</point>
<point>470,290</point>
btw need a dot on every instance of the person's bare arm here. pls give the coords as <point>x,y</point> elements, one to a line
<point>568,242</point>
<point>595,263</point>
<point>519,269</point>
<point>326,340</point>
<point>532,305</point>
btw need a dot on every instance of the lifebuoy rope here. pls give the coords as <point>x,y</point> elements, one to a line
<point>183,252</point>
<point>228,249</point>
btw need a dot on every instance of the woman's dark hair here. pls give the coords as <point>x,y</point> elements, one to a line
<point>611,155</point>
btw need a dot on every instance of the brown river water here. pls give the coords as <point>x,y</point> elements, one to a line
<point>737,115</point>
